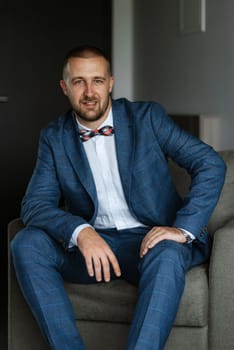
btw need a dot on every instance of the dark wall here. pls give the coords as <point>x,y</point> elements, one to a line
<point>33,40</point>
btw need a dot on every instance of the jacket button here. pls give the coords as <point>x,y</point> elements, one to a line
<point>203,231</point>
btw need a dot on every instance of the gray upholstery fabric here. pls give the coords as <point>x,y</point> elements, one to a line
<point>206,315</point>
<point>224,210</point>
<point>221,297</point>
<point>115,301</point>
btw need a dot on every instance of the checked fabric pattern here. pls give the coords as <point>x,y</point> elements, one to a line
<point>86,135</point>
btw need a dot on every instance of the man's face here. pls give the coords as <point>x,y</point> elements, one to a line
<point>87,84</point>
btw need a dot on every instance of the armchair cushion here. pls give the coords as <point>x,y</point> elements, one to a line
<point>115,301</point>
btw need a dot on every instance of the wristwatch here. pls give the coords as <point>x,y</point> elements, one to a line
<point>187,236</point>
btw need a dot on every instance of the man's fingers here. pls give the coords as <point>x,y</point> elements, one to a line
<point>150,244</point>
<point>115,264</point>
<point>158,234</point>
<point>89,266</point>
<point>104,269</point>
<point>98,255</point>
<point>97,264</point>
<point>149,240</point>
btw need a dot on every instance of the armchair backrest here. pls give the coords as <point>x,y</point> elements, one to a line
<point>224,210</point>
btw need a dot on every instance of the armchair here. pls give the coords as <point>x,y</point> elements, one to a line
<point>104,311</point>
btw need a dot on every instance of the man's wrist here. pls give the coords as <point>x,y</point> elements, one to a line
<point>75,234</point>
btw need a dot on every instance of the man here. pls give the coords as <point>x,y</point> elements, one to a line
<point>107,159</point>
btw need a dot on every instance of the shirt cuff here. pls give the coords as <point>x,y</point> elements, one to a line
<point>75,234</point>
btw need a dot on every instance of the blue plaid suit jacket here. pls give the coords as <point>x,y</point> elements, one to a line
<point>145,137</point>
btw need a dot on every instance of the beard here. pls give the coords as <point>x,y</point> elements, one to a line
<point>91,114</point>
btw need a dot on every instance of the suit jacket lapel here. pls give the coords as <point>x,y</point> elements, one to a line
<point>125,143</point>
<point>76,153</point>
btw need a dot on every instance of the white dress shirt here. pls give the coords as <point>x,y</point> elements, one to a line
<point>113,211</point>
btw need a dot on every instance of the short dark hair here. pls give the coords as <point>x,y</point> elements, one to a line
<point>86,51</point>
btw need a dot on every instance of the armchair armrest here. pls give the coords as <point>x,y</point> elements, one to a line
<point>221,287</point>
<point>22,328</point>
<point>13,227</point>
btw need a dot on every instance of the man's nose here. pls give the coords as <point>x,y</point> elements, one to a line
<point>89,89</point>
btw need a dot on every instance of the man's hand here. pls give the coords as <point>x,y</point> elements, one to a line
<point>158,234</point>
<point>98,255</point>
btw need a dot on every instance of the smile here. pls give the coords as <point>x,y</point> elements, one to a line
<point>91,103</point>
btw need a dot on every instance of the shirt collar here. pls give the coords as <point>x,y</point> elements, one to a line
<point>108,121</point>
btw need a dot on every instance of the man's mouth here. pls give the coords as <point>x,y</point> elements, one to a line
<point>89,103</point>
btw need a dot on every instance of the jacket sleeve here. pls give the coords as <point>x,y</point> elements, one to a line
<point>206,168</point>
<point>41,203</point>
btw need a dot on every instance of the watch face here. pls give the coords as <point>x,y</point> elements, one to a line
<point>188,238</point>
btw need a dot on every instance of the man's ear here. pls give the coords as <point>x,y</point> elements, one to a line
<point>63,86</point>
<point>112,81</point>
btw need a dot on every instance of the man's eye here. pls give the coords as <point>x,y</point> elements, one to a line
<point>78,82</point>
<point>98,81</point>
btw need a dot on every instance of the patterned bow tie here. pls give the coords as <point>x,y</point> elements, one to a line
<point>85,135</point>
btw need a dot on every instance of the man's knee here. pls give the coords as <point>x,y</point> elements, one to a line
<point>169,253</point>
<point>29,243</point>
